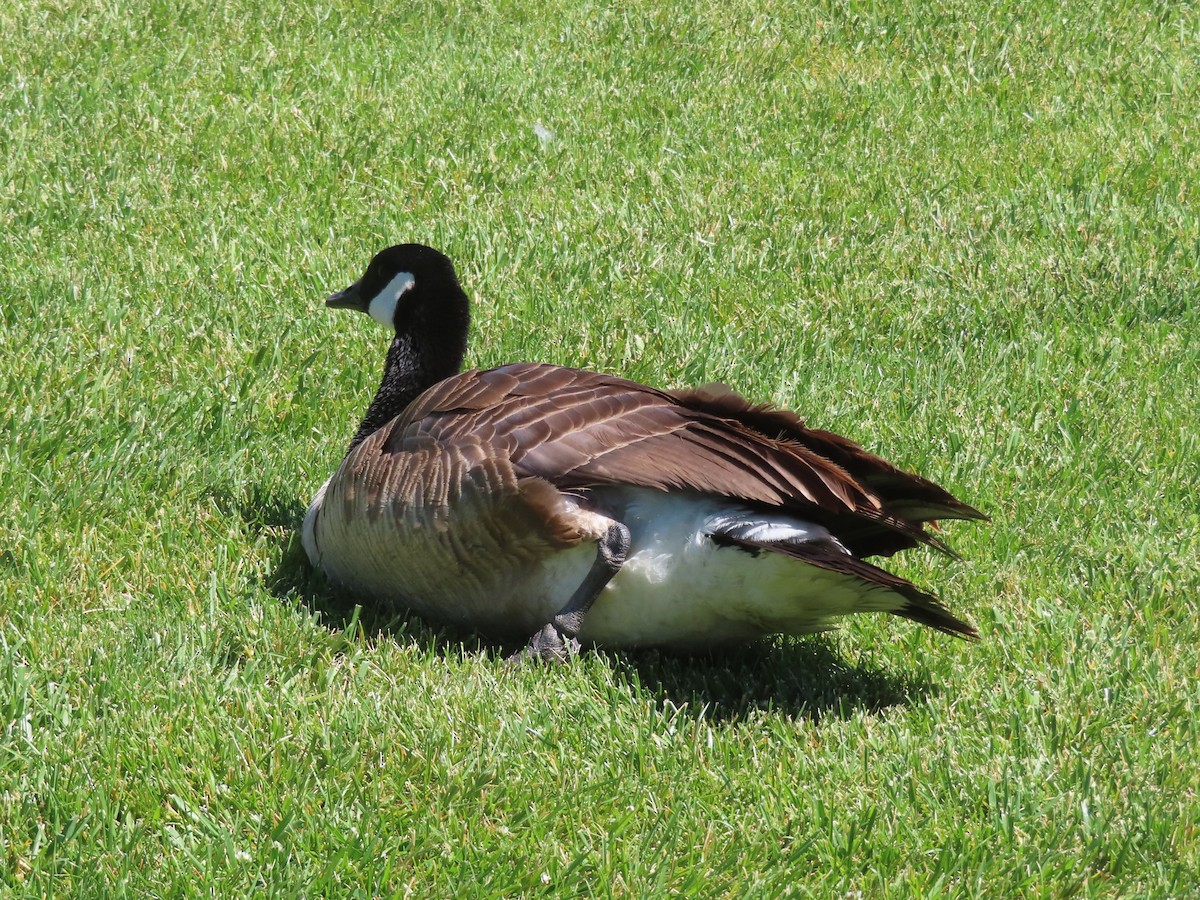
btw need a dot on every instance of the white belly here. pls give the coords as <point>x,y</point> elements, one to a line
<point>680,588</point>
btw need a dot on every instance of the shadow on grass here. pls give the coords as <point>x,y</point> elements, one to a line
<point>804,677</point>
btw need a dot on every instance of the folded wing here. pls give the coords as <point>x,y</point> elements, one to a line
<point>578,430</point>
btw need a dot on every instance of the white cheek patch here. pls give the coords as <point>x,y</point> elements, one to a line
<point>383,307</point>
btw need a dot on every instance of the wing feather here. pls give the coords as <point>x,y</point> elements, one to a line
<point>577,429</point>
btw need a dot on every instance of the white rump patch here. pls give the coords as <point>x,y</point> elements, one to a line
<point>383,306</point>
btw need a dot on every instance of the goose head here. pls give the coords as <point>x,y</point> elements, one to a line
<point>414,290</point>
<point>403,284</point>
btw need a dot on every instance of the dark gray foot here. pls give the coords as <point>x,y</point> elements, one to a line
<point>549,646</point>
<point>556,640</point>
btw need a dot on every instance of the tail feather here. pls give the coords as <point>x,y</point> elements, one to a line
<point>925,510</point>
<point>918,605</point>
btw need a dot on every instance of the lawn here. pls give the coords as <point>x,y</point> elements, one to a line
<point>963,233</point>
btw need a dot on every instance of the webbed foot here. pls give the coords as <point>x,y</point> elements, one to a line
<point>549,645</point>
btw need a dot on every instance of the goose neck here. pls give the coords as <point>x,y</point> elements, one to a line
<point>413,365</point>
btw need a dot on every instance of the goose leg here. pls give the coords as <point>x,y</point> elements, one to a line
<point>557,638</point>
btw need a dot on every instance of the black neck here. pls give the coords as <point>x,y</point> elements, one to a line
<point>423,353</point>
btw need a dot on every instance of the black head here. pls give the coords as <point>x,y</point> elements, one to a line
<point>394,281</point>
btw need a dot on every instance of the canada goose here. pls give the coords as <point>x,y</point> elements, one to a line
<point>535,499</point>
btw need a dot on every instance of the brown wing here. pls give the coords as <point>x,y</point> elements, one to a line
<point>579,429</point>
<point>905,495</point>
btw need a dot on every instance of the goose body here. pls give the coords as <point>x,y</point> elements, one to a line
<point>576,506</point>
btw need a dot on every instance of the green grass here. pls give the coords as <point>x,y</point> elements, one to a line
<point>963,233</point>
